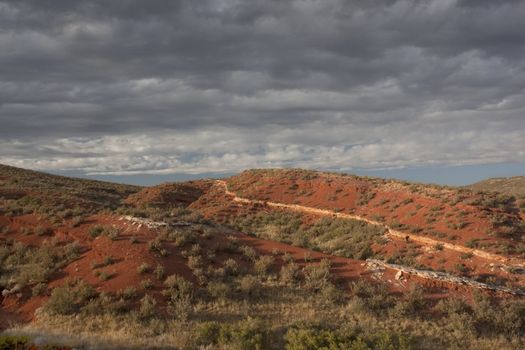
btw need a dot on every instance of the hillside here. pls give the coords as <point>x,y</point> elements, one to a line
<point>266,259</point>
<point>511,186</point>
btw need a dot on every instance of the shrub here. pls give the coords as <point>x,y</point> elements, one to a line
<point>263,264</point>
<point>317,277</point>
<point>128,293</point>
<point>331,294</point>
<point>194,262</point>
<point>178,287</point>
<point>148,306</point>
<point>231,267</point>
<point>466,255</point>
<point>104,276</point>
<point>289,273</point>
<point>452,306</point>
<point>307,257</point>
<point>155,245</point>
<point>144,268</point>
<point>108,260</point>
<point>159,272</point>
<point>373,297</point>
<point>179,294</point>
<point>9,342</point>
<point>76,221</point>
<point>95,231</point>
<point>316,338</point>
<point>39,289</point>
<point>26,231</point>
<point>414,301</point>
<point>218,290</point>
<point>112,233</point>
<point>146,284</point>
<point>42,231</point>
<point>69,299</point>
<point>207,333</point>
<point>287,258</point>
<point>249,253</point>
<point>249,334</point>
<point>249,285</point>
<point>461,268</point>
<point>473,243</point>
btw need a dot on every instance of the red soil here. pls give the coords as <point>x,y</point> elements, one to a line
<point>391,200</point>
<point>221,205</point>
<point>129,256</point>
<point>424,210</point>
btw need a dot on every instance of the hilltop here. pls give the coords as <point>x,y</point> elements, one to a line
<point>268,258</point>
<point>512,186</point>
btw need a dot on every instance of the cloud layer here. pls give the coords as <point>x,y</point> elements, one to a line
<point>119,87</point>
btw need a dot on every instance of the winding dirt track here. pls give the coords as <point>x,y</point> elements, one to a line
<point>388,231</point>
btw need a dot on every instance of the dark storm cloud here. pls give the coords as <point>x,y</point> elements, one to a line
<point>262,82</point>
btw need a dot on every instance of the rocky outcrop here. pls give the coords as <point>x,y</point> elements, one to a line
<point>140,222</point>
<point>378,265</point>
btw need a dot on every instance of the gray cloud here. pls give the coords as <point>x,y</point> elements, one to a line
<point>187,86</point>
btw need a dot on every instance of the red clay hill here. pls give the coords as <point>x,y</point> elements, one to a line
<point>124,242</point>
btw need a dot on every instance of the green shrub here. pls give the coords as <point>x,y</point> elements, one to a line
<point>148,307</point>
<point>95,231</point>
<point>316,338</point>
<point>452,306</point>
<point>70,298</point>
<point>375,298</point>
<point>207,333</point>
<point>249,334</point>
<point>316,277</point>
<point>413,303</point>
<point>9,342</point>
<point>178,288</point>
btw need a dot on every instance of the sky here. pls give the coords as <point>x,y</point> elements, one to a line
<point>158,90</point>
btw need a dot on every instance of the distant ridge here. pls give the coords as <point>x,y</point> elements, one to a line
<point>514,186</point>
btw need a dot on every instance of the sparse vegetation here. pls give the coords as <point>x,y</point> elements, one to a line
<point>348,238</point>
<point>229,295</point>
